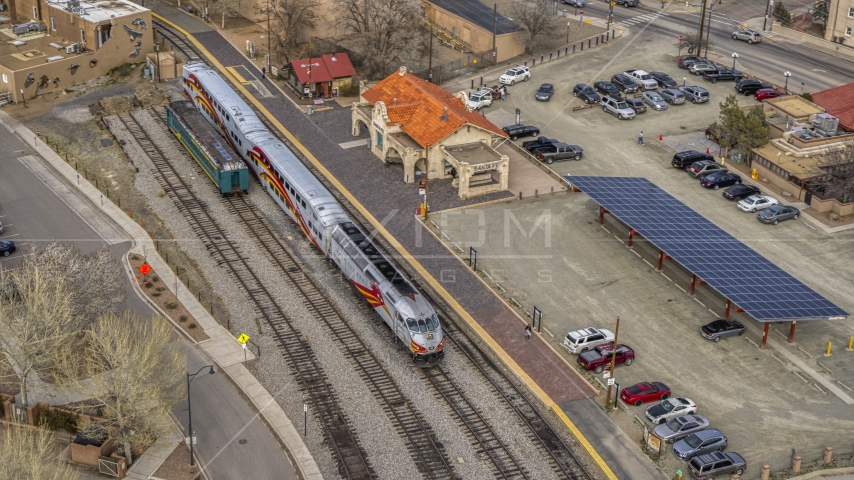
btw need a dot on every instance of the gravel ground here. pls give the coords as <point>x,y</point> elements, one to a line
<point>385,452</point>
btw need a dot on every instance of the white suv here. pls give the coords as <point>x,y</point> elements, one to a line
<point>515,74</point>
<point>479,100</point>
<point>643,79</point>
<point>617,107</point>
<point>587,339</point>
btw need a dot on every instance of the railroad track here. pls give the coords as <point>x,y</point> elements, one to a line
<point>189,51</point>
<point>313,382</point>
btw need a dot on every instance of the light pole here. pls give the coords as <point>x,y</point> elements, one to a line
<point>709,29</point>
<point>613,362</point>
<point>190,409</point>
<point>734,56</point>
<point>787,75</point>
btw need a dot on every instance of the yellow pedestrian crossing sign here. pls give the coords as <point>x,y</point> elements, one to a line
<point>243,338</point>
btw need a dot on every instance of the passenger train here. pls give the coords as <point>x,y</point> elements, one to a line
<point>323,221</point>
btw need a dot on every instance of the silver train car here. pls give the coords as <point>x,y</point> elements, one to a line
<point>322,220</point>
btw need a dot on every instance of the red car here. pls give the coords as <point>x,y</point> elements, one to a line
<point>644,392</point>
<point>764,93</point>
<point>599,358</point>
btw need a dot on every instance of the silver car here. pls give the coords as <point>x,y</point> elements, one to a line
<point>670,408</point>
<point>749,36</point>
<point>755,203</point>
<point>681,427</point>
<point>705,441</point>
<point>654,100</point>
<point>701,68</point>
<point>672,95</point>
<point>574,3</point>
<point>617,107</point>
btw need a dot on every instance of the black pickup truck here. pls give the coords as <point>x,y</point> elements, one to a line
<point>723,73</point>
<point>560,151</point>
<point>541,142</point>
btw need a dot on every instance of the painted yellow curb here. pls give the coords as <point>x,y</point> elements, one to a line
<point>401,250</point>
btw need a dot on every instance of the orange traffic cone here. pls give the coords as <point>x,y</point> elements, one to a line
<point>707,150</point>
<point>660,137</point>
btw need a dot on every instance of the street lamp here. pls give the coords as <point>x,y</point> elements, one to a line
<point>787,75</point>
<point>734,56</point>
<point>190,409</point>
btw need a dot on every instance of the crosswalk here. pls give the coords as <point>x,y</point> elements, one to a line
<point>649,17</point>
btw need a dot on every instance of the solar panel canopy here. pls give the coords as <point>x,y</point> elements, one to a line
<point>736,271</point>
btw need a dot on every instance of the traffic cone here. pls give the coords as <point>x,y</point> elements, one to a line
<point>707,150</point>
<point>660,137</point>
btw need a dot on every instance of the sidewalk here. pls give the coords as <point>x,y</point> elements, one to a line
<point>222,347</point>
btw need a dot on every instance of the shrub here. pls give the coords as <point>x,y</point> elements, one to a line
<point>160,192</point>
<point>160,289</point>
<point>182,318</point>
<point>171,305</point>
<point>134,257</point>
<point>59,420</point>
<point>348,90</point>
<point>155,279</point>
<point>192,325</point>
<point>155,294</point>
<point>807,96</point>
<point>147,284</point>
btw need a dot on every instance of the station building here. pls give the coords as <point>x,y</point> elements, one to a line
<point>427,129</point>
<point>46,46</point>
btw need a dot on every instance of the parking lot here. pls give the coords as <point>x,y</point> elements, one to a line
<point>579,274</point>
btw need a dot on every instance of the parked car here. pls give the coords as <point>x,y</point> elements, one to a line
<point>719,329</point>
<point>600,357</point>
<point>705,441</point>
<point>722,73</point>
<point>671,408</point>
<point>624,83</point>
<point>574,3</point>
<point>664,80</point>
<point>643,79</point>
<point>636,104</point>
<point>739,192</point>
<point>1,227</point>
<point>716,463</point>
<point>587,338</point>
<point>7,247</point>
<point>643,392</point>
<point>540,142</point>
<point>689,157</point>
<point>755,203</point>
<point>749,36</point>
<point>749,86</point>
<point>515,74</point>
<point>628,3</point>
<point>617,107</point>
<point>696,94</point>
<point>777,213</point>
<point>705,167</point>
<point>479,100</point>
<point>586,93</point>
<point>717,180</point>
<point>680,427</point>
<point>765,93</point>
<point>519,130</point>
<point>700,68</point>
<point>560,151</point>
<point>686,62</point>
<point>607,88</point>
<point>672,95</point>
<point>654,100</point>
<point>545,92</point>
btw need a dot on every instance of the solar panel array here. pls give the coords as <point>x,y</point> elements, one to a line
<point>478,13</point>
<point>222,150</point>
<point>752,282</point>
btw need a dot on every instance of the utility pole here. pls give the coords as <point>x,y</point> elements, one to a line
<point>426,178</point>
<point>613,361</point>
<point>610,15</point>
<point>269,51</point>
<point>702,25</point>
<point>430,61</point>
<point>767,13</point>
<point>494,29</point>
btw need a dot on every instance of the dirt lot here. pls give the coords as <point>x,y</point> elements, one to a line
<point>768,402</point>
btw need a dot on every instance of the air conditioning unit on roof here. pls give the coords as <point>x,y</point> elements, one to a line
<point>71,48</point>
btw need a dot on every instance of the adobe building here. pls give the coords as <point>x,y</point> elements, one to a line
<point>58,44</point>
<point>429,130</point>
<point>473,23</point>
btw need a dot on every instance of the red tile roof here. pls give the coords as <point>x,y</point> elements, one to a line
<point>323,69</point>
<point>839,102</point>
<point>418,106</point>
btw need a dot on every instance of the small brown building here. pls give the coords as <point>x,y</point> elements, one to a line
<point>321,76</point>
<point>70,42</point>
<point>477,26</point>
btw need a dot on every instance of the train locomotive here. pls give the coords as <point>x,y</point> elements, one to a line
<point>318,214</point>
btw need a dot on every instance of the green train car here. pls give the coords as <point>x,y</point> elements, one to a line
<point>229,174</point>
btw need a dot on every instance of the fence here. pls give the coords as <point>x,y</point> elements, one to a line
<point>5,97</point>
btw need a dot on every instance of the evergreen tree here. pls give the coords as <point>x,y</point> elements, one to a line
<point>781,14</point>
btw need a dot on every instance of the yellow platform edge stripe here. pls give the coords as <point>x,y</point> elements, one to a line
<point>538,391</point>
<point>239,77</point>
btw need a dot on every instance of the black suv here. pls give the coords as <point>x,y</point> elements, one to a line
<point>749,86</point>
<point>607,88</point>
<point>686,62</point>
<point>739,192</point>
<point>519,130</point>
<point>586,93</point>
<point>624,83</point>
<point>664,80</point>
<point>716,463</point>
<point>688,157</point>
<point>723,73</point>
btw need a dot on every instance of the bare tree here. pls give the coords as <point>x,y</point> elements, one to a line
<point>132,368</point>
<point>94,281</point>
<point>29,454</point>
<point>226,8</point>
<point>289,20</point>
<point>693,44</point>
<point>839,167</point>
<point>387,33</point>
<point>538,19</point>
<point>36,322</point>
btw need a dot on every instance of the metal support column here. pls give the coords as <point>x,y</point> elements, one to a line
<point>661,258</point>
<point>791,331</point>
<point>602,212</point>
<point>765,335</point>
<point>632,233</point>
<point>726,312</point>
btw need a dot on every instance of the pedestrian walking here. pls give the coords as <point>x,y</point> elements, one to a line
<point>503,92</point>
<point>640,138</point>
<point>453,172</point>
<point>527,332</point>
<point>263,72</point>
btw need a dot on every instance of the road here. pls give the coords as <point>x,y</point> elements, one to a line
<point>768,59</point>
<point>37,207</point>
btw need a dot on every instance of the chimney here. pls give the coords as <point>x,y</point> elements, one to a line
<point>401,71</point>
<point>444,116</point>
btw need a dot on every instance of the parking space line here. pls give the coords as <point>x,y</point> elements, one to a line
<point>647,262</point>
<point>603,228</point>
<point>701,303</point>
<point>638,254</point>
<point>680,288</point>
<point>846,387</point>
<point>800,376</point>
<point>815,385</point>
<point>775,358</point>
<point>12,235</point>
<point>822,366</point>
<point>619,239</point>
<point>780,333</point>
<point>665,276</point>
<point>805,352</point>
<point>751,341</point>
